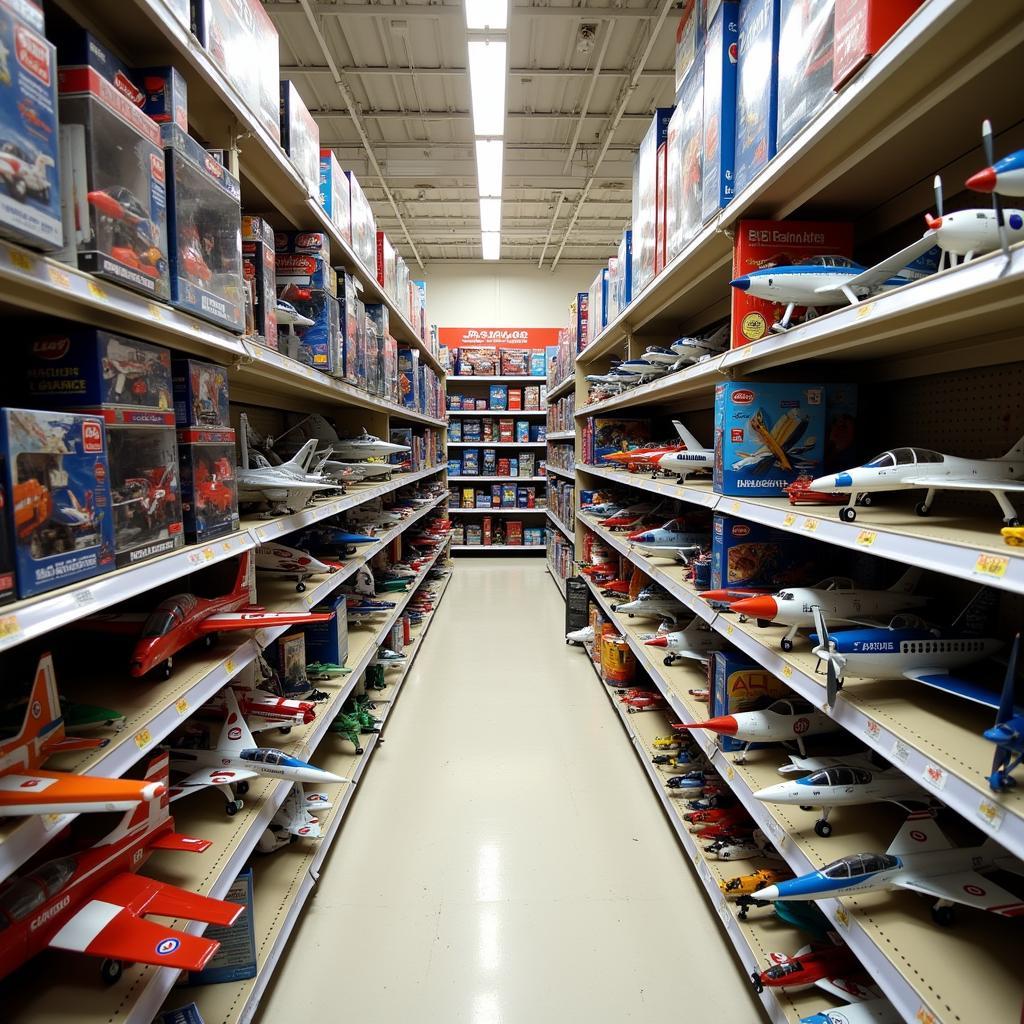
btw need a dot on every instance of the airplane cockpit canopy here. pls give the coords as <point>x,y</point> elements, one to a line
<point>904,457</point>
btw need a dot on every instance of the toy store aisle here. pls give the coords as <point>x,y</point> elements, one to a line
<point>505,860</point>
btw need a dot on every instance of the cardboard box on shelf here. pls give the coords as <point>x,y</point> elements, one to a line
<point>805,63</point>
<point>862,27</point>
<point>258,268</point>
<point>645,200</point>
<point>164,95</point>
<point>685,166</point>
<point>200,393</point>
<point>334,194</point>
<point>757,88</point>
<point>209,487</point>
<point>739,684</point>
<point>364,227</point>
<point>300,137</point>
<point>720,53</point>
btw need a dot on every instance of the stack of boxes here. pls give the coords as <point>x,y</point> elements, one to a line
<point>305,278</point>
<point>259,272</point>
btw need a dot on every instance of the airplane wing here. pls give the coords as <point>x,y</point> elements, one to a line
<point>110,924</point>
<point>967,887</point>
<point>43,792</point>
<point>209,777</point>
<point>855,988</point>
<point>964,483</point>
<point>226,621</point>
<point>939,679</point>
<point>881,272</point>
<point>122,623</point>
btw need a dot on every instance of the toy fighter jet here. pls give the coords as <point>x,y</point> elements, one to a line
<point>789,720</point>
<point>832,968</point>
<point>366,446</point>
<point>26,788</point>
<point>838,599</point>
<point>919,468</point>
<point>264,710</point>
<point>283,487</point>
<point>693,350</point>
<point>291,563</point>
<point>921,859</point>
<point>235,759</point>
<point>93,902</point>
<point>654,602</point>
<point>672,538</point>
<point>694,458</point>
<point>697,641</point>
<point>872,1011</point>
<point>183,619</point>
<point>295,819</point>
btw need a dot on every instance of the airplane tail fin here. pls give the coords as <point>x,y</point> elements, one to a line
<point>920,834</point>
<point>43,715</point>
<point>149,812</point>
<point>300,459</point>
<point>235,734</point>
<point>1016,452</point>
<point>686,437</point>
<point>907,583</point>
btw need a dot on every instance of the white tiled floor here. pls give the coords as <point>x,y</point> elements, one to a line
<point>505,860</point>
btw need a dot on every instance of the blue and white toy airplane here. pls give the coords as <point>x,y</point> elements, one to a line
<point>1005,177</point>
<point>1008,732</point>
<point>873,1011</point>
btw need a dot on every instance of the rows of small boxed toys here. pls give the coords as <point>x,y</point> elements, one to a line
<point>498,531</point>
<point>472,463</point>
<point>124,453</point>
<point>494,361</point>
<point>562,413</point>
<point>749,77</point>
<point>424,448</point>
<point>561,456</point>
<point>562,357</point>
<point>500,398</point>
<point>498,495</point>
<point>504,430</point>
<point>560,554</point>
<point>562,500</point>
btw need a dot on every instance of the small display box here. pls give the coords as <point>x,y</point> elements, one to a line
<point>209,488</point>
<point>200,394</point>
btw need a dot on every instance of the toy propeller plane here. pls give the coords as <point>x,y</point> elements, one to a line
<point>26,788</point>
<point>697,641</point>
<point>692,459</point>
<point>693,350</point>
<point>1005,177</point>
<point>92,902</point>
<point>295,819</point>
<point>235,759</point>
<point>184,618</point>
<point>838,599</point>
<point>919,468</point>
<point>921,859</point>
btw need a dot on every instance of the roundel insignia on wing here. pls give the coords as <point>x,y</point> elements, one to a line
<point>918,836</point>
<point>1015,221</point>
<point>801,725</point>
<point>37,709</point>
<point>303,830</point>
<point>29,783</point>
<point>974,890</point>
<point>167,946</point>
<point>219,776</point>
<point>235,733</point>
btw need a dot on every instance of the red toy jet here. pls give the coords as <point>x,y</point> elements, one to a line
<point>93,902</point>
<point>834,969</point>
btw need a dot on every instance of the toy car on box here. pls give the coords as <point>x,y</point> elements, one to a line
<point>334,194</point>
<point>205,228</point>
<point>30,197</point>
<point>258,270</point>
<point>200,394</point>
<point>209,489</point>
<point>300,137</point>
<point>60,513</point>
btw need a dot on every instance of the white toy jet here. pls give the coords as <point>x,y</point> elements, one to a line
<point>919,468</point>
<point>872,1011</point>
<point>366,446</point>
<point>295,819</point>
<point>235,759</point>
<point>654,603</point>
<point>790,720</point>
<point>280,560</point>
<point>682,464</point>
<point>697,641</point>
<point>921,859</point>
<point>838,599</point>
<point>693,350</point>
<point>671,538</point>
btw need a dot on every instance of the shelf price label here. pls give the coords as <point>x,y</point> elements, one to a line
<point>84,597</point>
<point>874,730</point>
<point>734,507</point>
<point>59,278</point>
<point>865,309</point>
<point>991,814</point>
<point>789,519</point>
<point>209,554</point>
<point>181,707</point>
<point>934,776</point>
<point>96,291</point>
<point>993,566</point>
<point>143,739</point>
<point>866,538</point>
<point>10,629</point>
<point>22,260</point>
<point>925,1016</point>
<point>787,671</point>
<point>810,525</point>
<point>155,311</point>
<point>229,666</point>
<point>842,915</point>
<point>900,752</point>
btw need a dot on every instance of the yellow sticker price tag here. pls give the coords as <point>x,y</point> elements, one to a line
<point>729,629</point>
<point>787,671</point>
<point>96,291</point>
<point>991,814</point>
<point>22,260</point>
<point>209,554</point>
<point>229,666</point>
<point>734,507</point>
<point>155,311</point>
<point>925,1016</point>
<point>789,520</point>
<point>991,565</point>
<point>810,525</point>
<point>730,773</point>
<point>9,626</point>
<point>843,917</point>
<point>58,277</point>
<point>143,739</point>
<point>866,538</point>
<point>866,309</point>
<point>182,707</point>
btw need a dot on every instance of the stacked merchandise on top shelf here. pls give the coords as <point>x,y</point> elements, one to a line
<point>561,414</point>
<point>500,398</point>
<point>560,554</point>
<point>561,456</point>
<point>495,361</point>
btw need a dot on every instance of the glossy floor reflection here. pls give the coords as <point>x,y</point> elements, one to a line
<point>505,859</point>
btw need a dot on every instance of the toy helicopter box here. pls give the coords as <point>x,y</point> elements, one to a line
<point>258,270</point>
<point>364,227</point>
<point>862,27</point>
<point>719,121</point>
<point>757,88</point>
<point>766,435</point>
<point>805,63</point>
<point>760,244</point>
<point>209,487</point>
<point>300,138</point>
<point>242,41</point>
<point>113,184</point>
<point>409,377</point>
<point>334,194</point>
<point>645,200</point>
<point>204,222</point>
<point>753,555</point>
<point>60,513</point>
<point>328,641</point>
<point>30,203</point>
<point>739,684</point>
<point>685,163</point>
<point>200,394</point>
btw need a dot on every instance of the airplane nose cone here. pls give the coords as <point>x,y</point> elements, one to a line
<point>639,535</point>
<point>983,181</point>
<point>768,893</point>
<point>741,283</point>
<point>757,607</point>
<point>330,777</point>
<point>934,223</point>
<point>725,725</point>
<point>770,793</point>
<point>656,641</point>
<point>137,668</point>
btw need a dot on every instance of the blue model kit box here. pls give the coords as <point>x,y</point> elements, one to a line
<point>403,436</point>
<point>739,684</point>
<point>455,467</point>
<point>840,428</point>
<point>235,959</point>
<point>164,95</point>
<point>538,364</point>
<point>766,435</point>
<point>58,479</point>
<point>334,193</point>
<point>30,201</point>
<point>685,163</point>
<point>805,63</point>
<point>623,294</point>
<point>409,378</point>
<point>200,394</point>
<point>720,59</point>
<point>319,344</point>
<point>753,555</point>
<point>300,137</point>
<point>328,641</point>
<point>522,431</point>
<point>455,430</point>
<point>258,271</point>
<point>489,466</point>
<point>471,462</point>
<point>204,225</point>
<point>757,88</point>
<point>497,397</point>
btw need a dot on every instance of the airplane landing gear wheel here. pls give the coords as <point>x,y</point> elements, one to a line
<point>847,514</point>
<point>806,807</point>
<point>1015,521</point>
<point>242,788</point>
<point>865,500</point>
<point>111,971</point>
<point>668,659</point>
<point>300,587</point>
<point>922,509</point>
<point>823,828</point>
<point>232,807</point>
<point>786,644</point>
<point>942,916</point>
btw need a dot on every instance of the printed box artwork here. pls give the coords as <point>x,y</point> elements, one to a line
<point>740,684</point>
<point>334,193</point>
<point>862,27</point>
<point>616,435</point>
<point>622,294</point>
<point>300,137</point>
<point>805,63</point>
<point>644,201</point>
<point>209,487</point>
<point>720,58</point>
<point>766,435</point>
<point>235,960</point>
<point>364,227</point>
<point>752,555</point>
<point>163,95</point>
<point>258,269</point>
<point>200,394</point>
<point>757,84</point>
<point>328,641</point>
<point>769,243</point>
<point>685,163</point>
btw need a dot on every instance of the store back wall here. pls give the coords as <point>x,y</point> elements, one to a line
<point>503,296</point>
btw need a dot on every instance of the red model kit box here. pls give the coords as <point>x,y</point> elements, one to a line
<point>209,489</point>
<point>300,137</point>
<point>386,264</point>
<point>805,63</point>
<point>515,362</point>
<point>258,270</point>
<point>163,95</point>
<point>777,243</point>
<point>861,29</point>
<point>60,512</point>
<point>645,200</point>
<point>685,166</point>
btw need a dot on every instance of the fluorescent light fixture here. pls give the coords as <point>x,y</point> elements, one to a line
<point>489,158</point>
<point>484,14</point>
<point>490,242</point>
<point>487,86</point>
<point>490,214</point>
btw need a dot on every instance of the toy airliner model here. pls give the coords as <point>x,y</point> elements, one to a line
<point>93,902</point>
<point>693,350</point>
<point>834,782</point>
<point>654,602</point>
<point>921,469</point>
<point>669,538</point>
<point>838,599</point>
<point>26,788</point>
<point>698,641</point>
<point>235,759</point>
<point>832,968</point>
<point>694,458</point>
<point>786,721</point>
<point>183,619</point>
<point>291,563</point>
<point>923,860</point>
<point>295,819</point>
<point>908,647</point>
<point>872,1011</point>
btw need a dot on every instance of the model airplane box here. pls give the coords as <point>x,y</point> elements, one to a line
<point>719,123</point>
<point>8,584</point>
<point>334,194</point>
<point>292,658</point>
<point>204,224</point>
<point>515,362</point>
<point>497,397</point>
<point>386,264</point>
<point>739,684</point>
<point>258,271</point>
<point>401,435</point>
<point>645,184</point>
<point>455,467</point>
<point>242,41</point>
<point>760,244</point>
<point>805,63</point>
<point>757,88</point>
<point>753,555</point>
<point>598,304</point>
<point>685,163</point>
<point>209,486</point>
<point>60,511</point>
<point>689,37</point>
<point>766,435</point>
<point>183,1014</point>
<point>661,204</point>
<point>351,323</point>
<point>489,465</point>
<point>471,462</point>
<point>164,95</point>
<point>578,320</point>
<point>409,378</point>
<point>30,203</point>
<point>364,227</point>
<point>300,137</point>
<point>622,293</point>
<point>235,959</point>
<point>862,27</point>
<point>615,435</point>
